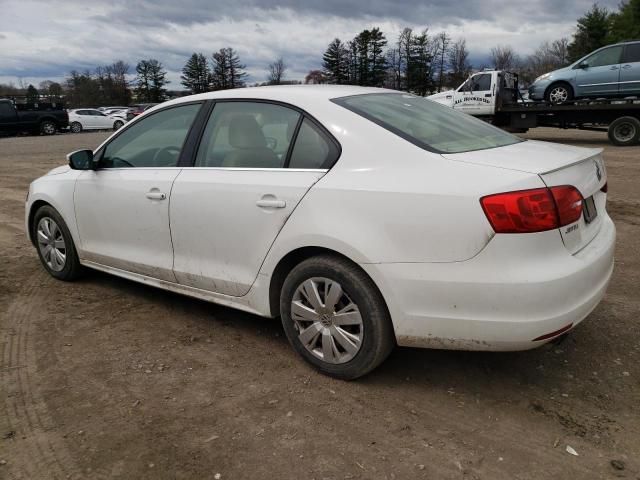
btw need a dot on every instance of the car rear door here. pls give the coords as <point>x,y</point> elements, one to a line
<point>601,73</point>
<point>227,209</point>
<point>630,70</point>
<point>122,207</point>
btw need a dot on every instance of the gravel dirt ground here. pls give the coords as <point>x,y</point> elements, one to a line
<point>108,378</point>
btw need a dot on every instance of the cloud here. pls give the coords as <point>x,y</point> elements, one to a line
<point>82,35</point>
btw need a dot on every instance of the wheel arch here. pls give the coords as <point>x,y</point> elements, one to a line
<point>289,261</point>
<point>558,82</point>
<point>35,206</point>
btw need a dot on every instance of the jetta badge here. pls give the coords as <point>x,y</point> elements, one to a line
<point>598,172</point>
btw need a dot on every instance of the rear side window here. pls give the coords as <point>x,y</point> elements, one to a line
<point>312,148</point>
<point>6,110</point>
<point>632,53</point>
<point>247,135</point>
<point>427,124</point>
<point>155,141</point>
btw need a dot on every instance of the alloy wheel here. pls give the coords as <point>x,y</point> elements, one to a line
<point>328,322</point>
<point>51,244</point>
<point>558,95</point>
<point>48,128</point>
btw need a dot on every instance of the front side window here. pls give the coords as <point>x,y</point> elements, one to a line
<point>427,124</point>
<point>608,56</point>
<point>155,141</point>
<point>482,82</point>
<point>247,135</point>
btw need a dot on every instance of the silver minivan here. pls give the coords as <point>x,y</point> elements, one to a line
<point>611,71</point>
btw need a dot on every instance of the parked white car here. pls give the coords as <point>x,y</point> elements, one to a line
<point>364,217</point>
<point>91,119</point>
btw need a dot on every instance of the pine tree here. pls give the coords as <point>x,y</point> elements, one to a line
<point>377,60</point>
<point>625,24</point>
<point>151,80</point>
<point>336,62</point>
<point>196,75</point>
<point>420,64</point>
<point>227,70</point>
<point>592,32</point>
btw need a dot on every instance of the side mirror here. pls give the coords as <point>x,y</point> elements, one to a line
<point>583,64</point>
<point>81,160</point>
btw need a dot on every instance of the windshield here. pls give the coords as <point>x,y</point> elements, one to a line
<point>427,124</point>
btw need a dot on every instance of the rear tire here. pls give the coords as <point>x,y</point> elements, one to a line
<point>349,330</point>
<point>48,127</point>
<point>624,131</point>
<point>559,93</point>
<point>75,127</point>
<point>55,245</point>
<point>117,125</point>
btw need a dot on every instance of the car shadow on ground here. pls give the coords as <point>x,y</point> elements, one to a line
<point>464,371</point>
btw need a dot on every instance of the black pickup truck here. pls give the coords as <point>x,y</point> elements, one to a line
<point>45,118</point>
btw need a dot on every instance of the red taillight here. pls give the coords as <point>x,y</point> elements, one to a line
<point>569,202</point>
<point>536,210</point>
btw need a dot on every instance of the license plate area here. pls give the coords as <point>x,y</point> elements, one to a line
<point>589,209</point>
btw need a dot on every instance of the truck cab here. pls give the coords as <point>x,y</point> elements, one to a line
<point>46,118</point>
<point>481,93</point>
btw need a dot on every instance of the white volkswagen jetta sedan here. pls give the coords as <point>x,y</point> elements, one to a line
<point>363,217</point>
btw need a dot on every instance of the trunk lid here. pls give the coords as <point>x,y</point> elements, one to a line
<point>556,165</point>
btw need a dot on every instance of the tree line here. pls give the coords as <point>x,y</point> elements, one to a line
<point>416,60</point>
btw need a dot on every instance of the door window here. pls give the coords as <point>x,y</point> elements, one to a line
<point>608,56</point>
<point>155,141</point>
<point>6,110</point>
<point>312,148</point>
<point>482,82</point>
<point>632,53</point>
<point>247,135</point>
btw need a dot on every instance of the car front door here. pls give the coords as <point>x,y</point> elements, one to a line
<point>630,70</point>
<point>599,74</point>
<point>100,120</point>
<point>475,95</point>
<point>122,207</point>
<point>248,177</point>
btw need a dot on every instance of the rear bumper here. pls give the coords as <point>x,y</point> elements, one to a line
<point>517,289</point>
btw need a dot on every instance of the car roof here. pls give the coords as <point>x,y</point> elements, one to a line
<point>300,95</point>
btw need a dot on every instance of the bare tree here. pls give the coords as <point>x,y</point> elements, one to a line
<point>276,71</point>
<point>546,58</point>
<point>442,42</point>
<point>315,77</point>
<point>503,57</point>
<point>459,65</point>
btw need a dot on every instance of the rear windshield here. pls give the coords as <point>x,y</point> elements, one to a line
<point>427,124</point>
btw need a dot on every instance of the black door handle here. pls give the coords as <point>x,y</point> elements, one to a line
<point>487,94</point>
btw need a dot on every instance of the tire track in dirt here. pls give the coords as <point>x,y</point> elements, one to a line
<point>45,454</point>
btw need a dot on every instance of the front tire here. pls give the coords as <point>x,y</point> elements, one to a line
<point>48,127</point>
<point>624,131</point>
<point>559,93</point>
<point>335,317</point>
<point>117,125</point>
<point>55,245</point>
<point>75,127</point>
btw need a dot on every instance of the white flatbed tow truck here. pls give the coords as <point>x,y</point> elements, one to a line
<point>495,97</point>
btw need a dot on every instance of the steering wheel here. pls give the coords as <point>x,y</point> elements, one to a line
<point>170,150</point>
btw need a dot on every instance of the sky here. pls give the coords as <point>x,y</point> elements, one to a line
<point>42,40</point>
